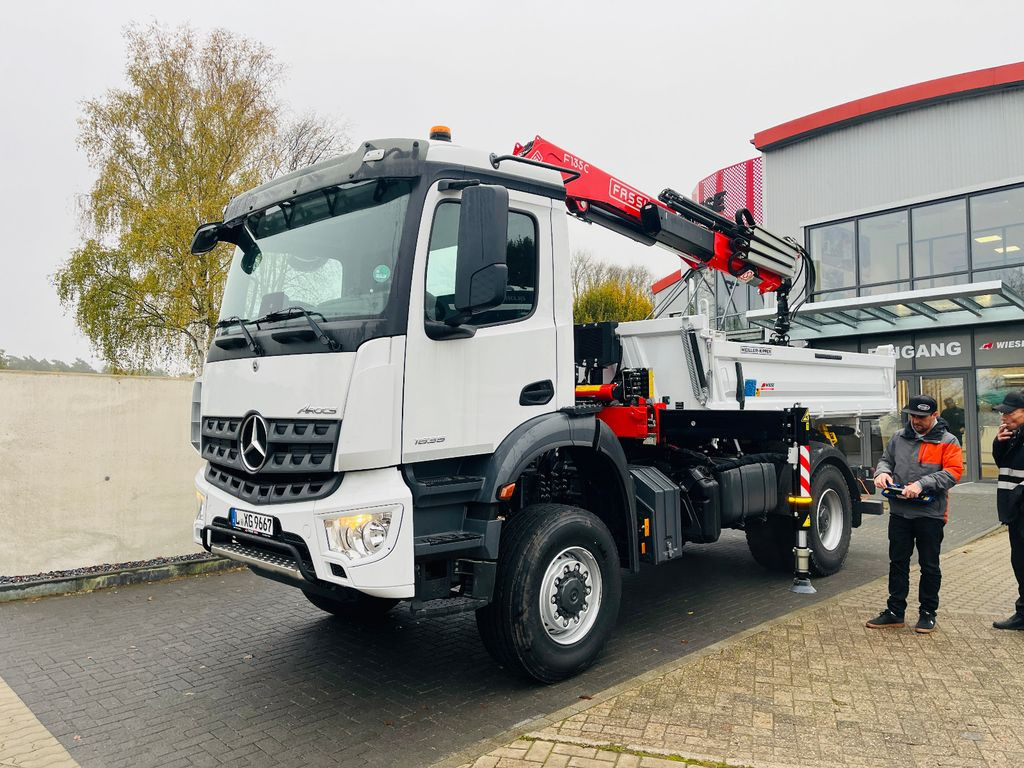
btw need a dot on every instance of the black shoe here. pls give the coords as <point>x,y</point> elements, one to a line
<point>1014,622</point>
<point>925,624</point>
<point>886,619</point>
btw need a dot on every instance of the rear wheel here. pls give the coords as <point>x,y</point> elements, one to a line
<point>556,593</point>
<point>831,521</point>
<point>771,540</point>
<point>352,604</point>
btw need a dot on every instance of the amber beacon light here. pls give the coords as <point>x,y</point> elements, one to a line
<point>440,133</point>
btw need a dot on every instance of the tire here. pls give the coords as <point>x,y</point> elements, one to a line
<point>541,622</point>
<point>352,605</point>
<point>831,521</point>
<point>771,540</point>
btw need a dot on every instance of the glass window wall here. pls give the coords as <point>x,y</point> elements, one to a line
<point>1011,276</point>
<point>883,248</point>
<point>834,255</point>
<point>940,238</point>
<point>997,228</point>
<point>875,254</point>
<point>733,301</point>
<point>939,282</point>
<point>877,290</point>
<point>993,384</point>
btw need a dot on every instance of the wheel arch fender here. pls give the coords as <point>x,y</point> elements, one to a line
<point>591,441</point>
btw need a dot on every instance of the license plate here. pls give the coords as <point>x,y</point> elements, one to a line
<point>252,522</point>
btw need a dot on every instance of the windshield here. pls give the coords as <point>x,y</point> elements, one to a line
<point>332,251</point>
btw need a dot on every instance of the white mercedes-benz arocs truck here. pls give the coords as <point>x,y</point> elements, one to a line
<point>396,404</point>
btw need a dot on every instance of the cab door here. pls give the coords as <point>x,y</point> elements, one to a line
<point>463,396</point>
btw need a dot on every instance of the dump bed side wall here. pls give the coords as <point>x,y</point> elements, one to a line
<point>829,384</point>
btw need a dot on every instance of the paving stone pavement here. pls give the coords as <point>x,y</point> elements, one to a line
<point>24,741</point>
<point>817,688</point>
<point>231,670</point>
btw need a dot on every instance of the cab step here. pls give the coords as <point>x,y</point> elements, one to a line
<point>438,543</point>
<point>445,606</point>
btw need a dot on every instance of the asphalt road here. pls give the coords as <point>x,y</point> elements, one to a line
<point>235,670</point>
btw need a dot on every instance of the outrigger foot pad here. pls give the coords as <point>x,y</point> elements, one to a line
<point>802,587</point>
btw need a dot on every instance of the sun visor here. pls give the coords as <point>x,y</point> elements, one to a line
<point>394,158</point>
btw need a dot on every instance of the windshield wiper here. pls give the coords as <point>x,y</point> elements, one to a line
<point>236,320</point>
<point>292,312</point>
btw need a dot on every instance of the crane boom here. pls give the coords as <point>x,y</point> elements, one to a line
<point>696,234</point>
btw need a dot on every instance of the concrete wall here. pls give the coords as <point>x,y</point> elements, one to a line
<point>93,469</point>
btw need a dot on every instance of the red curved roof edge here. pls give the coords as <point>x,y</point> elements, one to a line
<point>899,99</point>
<point>666,281</point>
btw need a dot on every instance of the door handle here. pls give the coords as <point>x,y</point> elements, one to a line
<point>538,393</point>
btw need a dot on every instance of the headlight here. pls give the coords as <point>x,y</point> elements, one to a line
<point>200,506</point>
<point>358,536</point>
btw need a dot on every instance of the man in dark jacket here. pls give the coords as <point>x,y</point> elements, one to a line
<point>923,461</point>
<point>1008,454</point>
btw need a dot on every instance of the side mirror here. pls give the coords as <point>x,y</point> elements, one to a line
<point>480,271</point>
<point>206,238</point>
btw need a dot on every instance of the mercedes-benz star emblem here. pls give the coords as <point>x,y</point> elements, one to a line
<point>252,442</point>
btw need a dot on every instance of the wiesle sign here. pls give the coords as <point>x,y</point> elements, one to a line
<point>999,347</point>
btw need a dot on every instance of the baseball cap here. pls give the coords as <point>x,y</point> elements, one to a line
<point>1011,402</point>
<point>921,405</point>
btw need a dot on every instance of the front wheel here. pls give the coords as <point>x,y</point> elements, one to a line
<point>556,594</point>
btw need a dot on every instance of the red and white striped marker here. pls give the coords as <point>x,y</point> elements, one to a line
<point>801,555</point>
<point>805,470</point>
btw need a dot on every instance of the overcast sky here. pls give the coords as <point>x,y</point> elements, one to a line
<point>660,93</point>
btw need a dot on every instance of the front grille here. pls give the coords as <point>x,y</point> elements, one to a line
<point>300,457</point>
<point>300,446</point>
<point>272,489</point>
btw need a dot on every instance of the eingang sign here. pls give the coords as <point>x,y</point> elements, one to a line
<point>933,349</point>
<point>983,347</point>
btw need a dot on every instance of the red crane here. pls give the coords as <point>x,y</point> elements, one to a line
<point>739,247</point>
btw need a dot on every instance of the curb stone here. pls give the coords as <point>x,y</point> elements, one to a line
<point>70,585</point>
<point>528,728</point>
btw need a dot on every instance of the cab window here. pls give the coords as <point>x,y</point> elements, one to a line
<point>522,260</point>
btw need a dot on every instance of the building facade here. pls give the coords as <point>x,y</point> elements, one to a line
<point>911,204</point>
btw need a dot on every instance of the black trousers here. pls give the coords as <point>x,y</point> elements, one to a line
<point>926,533</point>
<point>1016,527</point>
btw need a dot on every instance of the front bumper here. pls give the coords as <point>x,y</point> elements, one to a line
<point>299,553</point>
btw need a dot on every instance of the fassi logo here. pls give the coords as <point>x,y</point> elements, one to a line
<point>633,198</point>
